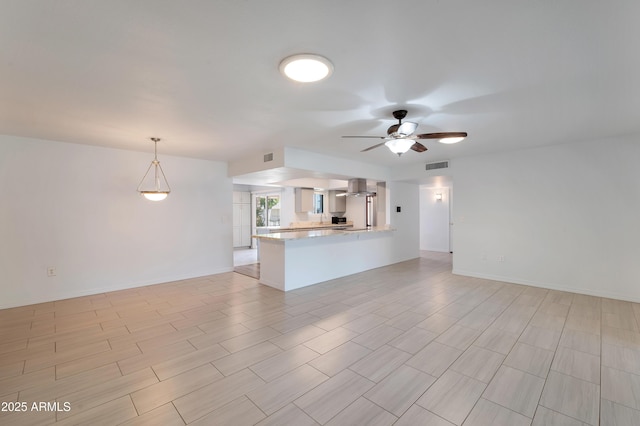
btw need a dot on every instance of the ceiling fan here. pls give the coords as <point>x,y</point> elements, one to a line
<point>400,137</point>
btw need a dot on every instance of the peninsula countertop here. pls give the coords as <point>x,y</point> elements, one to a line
<point>317,233</point>
<point>310,226</point>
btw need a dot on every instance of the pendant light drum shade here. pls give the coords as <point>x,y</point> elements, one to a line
<point>154,185</point>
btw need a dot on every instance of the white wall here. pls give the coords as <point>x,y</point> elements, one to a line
<point>288,206</point>
<point>563,217</point>
<point>313,161</point>
<point>255,162</point>
<point>434,219</point>
<point>76,208</point>
<point>406,237</point>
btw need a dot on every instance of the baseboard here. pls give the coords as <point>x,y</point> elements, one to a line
<point>437,250</point>
<point>549,286</point>
<point>271,284</point>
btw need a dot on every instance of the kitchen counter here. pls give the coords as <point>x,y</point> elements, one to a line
<point>298,234</point>
<point>295,259</point>
<point>273,229</point>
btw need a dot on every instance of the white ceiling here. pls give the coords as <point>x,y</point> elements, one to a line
<point>203,74</point>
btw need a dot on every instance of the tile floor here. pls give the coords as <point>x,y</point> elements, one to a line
<point>408,344</point>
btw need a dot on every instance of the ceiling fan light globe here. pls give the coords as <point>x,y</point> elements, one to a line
<point>399,146</point>
<point>451,140</point>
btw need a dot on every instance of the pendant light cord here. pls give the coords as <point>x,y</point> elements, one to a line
<point>155,149</point>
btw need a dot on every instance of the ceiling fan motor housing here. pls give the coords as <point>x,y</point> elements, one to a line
<point>400,114</point>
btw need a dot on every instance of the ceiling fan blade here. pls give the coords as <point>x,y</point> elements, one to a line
<point>418,147</point>
<point>407,128</point>
<point>373,147</point>
<point>367,137</point>
<point>442,135</point>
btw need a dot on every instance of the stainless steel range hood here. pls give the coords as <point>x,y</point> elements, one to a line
<point>358,188</point>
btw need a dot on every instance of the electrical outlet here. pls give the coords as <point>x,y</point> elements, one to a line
<point>51,271</point>
<point>500,258</point>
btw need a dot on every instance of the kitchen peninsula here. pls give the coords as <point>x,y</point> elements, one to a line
<point>291,260</point>
<point>302,226</point>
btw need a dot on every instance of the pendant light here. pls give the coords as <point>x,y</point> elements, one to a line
<point>154,186</point>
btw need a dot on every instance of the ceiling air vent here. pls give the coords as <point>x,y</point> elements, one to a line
<point>440,165</point>
<point>268,157</point>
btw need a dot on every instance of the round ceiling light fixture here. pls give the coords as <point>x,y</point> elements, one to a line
<point>306,68</point>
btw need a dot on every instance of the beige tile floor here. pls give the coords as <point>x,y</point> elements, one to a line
<point>408,344</point>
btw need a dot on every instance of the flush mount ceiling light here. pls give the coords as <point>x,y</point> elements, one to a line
<point>154,186</point>
<point>306,68</point>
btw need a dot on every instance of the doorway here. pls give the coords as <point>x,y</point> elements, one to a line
<point>265,216</point>
<point>436,228</point>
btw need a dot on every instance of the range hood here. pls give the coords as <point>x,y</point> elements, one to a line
<point>358,188</point>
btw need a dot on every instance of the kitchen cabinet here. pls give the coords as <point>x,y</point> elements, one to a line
<point>337,204</point>
<point>241,197</point>
<point>241,219</point>
<point>304,200</point>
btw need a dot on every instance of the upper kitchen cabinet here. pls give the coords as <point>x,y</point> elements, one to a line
<point>241,197</point>
<point>304,200</point>
<point>337,204</point>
